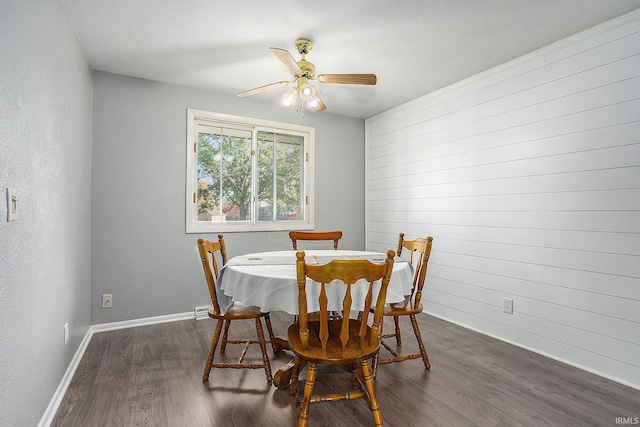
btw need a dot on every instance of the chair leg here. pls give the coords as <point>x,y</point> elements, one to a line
<point>267,321</point>
<point>374,359</point>
<point>293,384</point>
<point>396,321</point>
<point>353,370</point>
<point>423,352</point>
<point>303,413</point>
<point>214,343</point>
<point>373,400</point>
<point>263,347</point>
<point>374,362</point>
<point>225,335</point>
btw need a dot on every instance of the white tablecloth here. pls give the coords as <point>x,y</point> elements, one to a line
<point>268,280</point>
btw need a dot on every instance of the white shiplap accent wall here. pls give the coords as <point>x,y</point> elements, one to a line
<point>528,178</point>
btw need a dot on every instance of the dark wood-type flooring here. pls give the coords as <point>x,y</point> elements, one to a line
<point>151,376</point>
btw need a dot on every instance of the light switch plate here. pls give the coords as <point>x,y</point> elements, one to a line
<point>12,205</point>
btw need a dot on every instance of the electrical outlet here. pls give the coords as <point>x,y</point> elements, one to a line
<point>107,300</point>
<point>66,333</point>
<point>507,305</point>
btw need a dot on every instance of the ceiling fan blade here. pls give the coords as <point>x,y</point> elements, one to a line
<point>349,79</point>
<point>262,88</point>
<point>286,59</point>
<point>321,105</point>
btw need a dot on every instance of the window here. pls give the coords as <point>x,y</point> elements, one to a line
<point>247,174</point>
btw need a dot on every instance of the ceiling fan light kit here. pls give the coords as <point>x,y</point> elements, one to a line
<point>303,95</point>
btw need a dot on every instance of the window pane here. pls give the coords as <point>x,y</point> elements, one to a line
<point>224,174</point>
<point>209,146</point>
<point>289,166</point>
<point>280,167</point>
<point>266,173</point>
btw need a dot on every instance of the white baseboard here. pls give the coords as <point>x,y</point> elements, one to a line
<point>54,404</point>
<point>141,322</point>
<point>51,410</point>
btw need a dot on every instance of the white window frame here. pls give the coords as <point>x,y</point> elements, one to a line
<point>191,208</point>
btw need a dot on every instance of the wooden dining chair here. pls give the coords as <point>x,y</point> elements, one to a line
<point>295,235</point>
<point>334,235</point>
<point>346,342</point>
<point>209,252</point>
<point>419,252</point>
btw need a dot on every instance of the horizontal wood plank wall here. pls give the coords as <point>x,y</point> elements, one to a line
<point>528,177</point>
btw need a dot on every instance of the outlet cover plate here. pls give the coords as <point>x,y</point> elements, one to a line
<point>507,305</point>
<point>107,300</point>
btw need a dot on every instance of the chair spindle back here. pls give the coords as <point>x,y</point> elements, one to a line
<point>420,248</point>
<point>348,271</point>
<point>334,235</point>
<point>208,250</point>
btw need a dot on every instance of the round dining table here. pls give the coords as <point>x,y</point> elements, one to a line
<point>268,280</point>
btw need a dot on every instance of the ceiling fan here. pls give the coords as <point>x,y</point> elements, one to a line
<point>304,94</point>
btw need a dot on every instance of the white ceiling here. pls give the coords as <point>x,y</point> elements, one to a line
<point>413,46</point>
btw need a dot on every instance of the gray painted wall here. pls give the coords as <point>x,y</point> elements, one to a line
<point>45,154</point>
<point>141,253</point>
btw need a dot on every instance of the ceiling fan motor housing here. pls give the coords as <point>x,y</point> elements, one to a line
<point>308,69</point>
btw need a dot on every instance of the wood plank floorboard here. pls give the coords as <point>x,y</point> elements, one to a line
<point>152,376</point>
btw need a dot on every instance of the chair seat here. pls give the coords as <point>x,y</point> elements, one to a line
<point>405,310</point>
<point>237,311</point>
<point>314,352</point>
